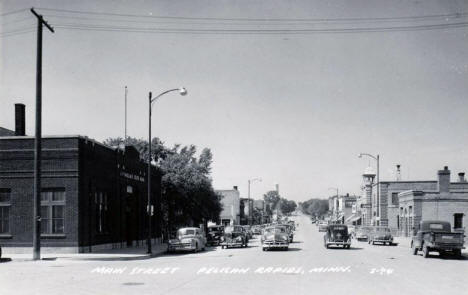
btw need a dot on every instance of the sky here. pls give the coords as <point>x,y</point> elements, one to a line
<point>289,108</point>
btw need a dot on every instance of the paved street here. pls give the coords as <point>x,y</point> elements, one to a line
<point>305,268</point>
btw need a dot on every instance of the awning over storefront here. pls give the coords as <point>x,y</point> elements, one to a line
<point>353,218</point>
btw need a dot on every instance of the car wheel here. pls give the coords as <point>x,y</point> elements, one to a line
<point>222,247</point>
<point>457,252</point>
<point>425,251</point>
<point>414,250</point>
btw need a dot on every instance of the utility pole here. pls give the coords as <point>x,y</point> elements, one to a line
<point>125,137</point>
<point>37,141</point>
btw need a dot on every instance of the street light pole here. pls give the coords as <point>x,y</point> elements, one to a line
<point>377,159</point>
<point>182,91</point>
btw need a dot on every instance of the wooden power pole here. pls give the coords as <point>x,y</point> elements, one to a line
<point>37,141</point>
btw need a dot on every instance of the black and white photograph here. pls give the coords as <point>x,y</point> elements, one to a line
<point>218,147</point>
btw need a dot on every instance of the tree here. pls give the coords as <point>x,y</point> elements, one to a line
<point>315,207</point>
<point>271,199</point>
<point>288,206</point>
<point>188,196</point>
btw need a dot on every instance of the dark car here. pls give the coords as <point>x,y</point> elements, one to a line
<point>380,234</point>
<point>337,235</point>
<point>215,232</point>
<point>234,236</point>
<point>435,235</point>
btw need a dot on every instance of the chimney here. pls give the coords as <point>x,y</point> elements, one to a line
<point>461,177</point>
<point>20,120</point>
<point>443,180</point>
<point>235,187</point>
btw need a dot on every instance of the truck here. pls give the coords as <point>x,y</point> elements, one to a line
<point>436,235</point>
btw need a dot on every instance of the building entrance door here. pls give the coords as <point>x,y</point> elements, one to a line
<point>131,218</point>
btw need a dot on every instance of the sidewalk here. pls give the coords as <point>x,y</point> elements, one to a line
<point>133,253</point>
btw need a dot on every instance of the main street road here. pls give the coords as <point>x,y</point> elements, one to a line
<point>306,268</point>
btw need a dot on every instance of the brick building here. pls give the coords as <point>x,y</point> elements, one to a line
<point>92,196</point>
<point>447,202</point>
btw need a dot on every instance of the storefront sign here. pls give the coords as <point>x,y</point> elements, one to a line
<point>132,176</point>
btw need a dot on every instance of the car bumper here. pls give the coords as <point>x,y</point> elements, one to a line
<point>232,244</point>
<point>382,241</point>
<point>446,247</point>
<point>181,247</point>
<point>267,246</point>
<point>338,243</point>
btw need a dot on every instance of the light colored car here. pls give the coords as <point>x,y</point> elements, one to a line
<point>381,234</point>
<point>362,233</point>
<point>187,239</point>
<point>275,237</point>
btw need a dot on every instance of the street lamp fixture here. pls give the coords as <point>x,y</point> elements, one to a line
<point>377,159</point>
<point>182,91</point>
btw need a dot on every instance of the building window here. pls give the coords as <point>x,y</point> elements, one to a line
<point>458,220</point>
<point>53,211</point>
<point>395,199</point>
<point>5,204</point>
<point>101,201</point>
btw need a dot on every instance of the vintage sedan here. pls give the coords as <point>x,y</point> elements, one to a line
<point>234,236</point>
<point>257,230</point>
<point>380,234</point>
<point>215,232</point>
<point>337,234</point>
<point>187,239</point>
<point>275,237</point>
<point>362,233</point>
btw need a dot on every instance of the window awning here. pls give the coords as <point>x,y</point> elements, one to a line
<point>353,218</point>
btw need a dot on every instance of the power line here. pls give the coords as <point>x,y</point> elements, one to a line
<point>259,31</point>
<point>13,12</point>
<point>404,18</point>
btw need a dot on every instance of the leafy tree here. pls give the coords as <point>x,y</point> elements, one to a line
<point>188,196</point>
<point>288,206</point>
<point>315,207</point>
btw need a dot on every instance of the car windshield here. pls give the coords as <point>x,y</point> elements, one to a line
<point>185,232</point>
<point>231,229</point>
<point>382,229</point>
<point>436,226</point>
<point>275,230</point>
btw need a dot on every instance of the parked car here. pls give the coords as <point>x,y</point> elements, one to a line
<point>257,230</point>
<point>435,235</point>
<point>380,234</point>
<point>322,226</point>
<point>234,236</point>
<point>187,239</point>
<point>248,231</point>
<point>290,232</point>
<point>275,237</point>
<point>362,233</point>
<point>337,234</point>
<point>215,232</point>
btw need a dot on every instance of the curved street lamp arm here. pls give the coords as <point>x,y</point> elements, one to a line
<point>365,154</point>
<point>161,94</point>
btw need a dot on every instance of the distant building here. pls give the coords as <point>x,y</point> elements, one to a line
<point>343,208</point>
<point>231,206</point>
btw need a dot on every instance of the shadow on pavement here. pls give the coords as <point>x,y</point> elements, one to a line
<point>5,259</point>
<point>445,257</point>
<point>341,248</point>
